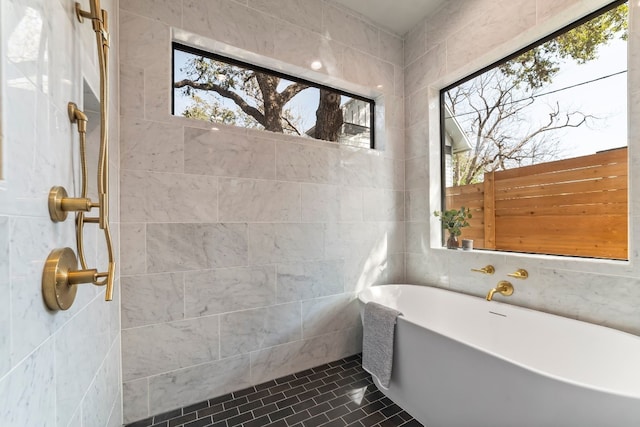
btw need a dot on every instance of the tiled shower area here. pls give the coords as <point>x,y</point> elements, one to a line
<point>243,250</point>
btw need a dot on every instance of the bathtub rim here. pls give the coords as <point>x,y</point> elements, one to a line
<point>515,308</point>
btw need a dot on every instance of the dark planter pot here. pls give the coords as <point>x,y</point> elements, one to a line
<point>452,242</point>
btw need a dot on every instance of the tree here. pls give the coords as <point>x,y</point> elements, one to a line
<point>328,116</point>
<point>491,107</point>
<point>257,96</point>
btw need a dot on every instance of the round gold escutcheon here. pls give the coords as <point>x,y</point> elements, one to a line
<point>56,194</point>
<point>58,293</point>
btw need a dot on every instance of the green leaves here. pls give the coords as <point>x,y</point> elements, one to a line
<point>539,65</point>
<point>453,220</point>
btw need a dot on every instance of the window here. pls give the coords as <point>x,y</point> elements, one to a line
<point>211,87</point>
<point>536,144</point>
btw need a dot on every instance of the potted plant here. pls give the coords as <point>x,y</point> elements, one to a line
<point>454,220</point>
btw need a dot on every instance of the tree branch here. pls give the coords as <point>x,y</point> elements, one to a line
<point>237,99</point>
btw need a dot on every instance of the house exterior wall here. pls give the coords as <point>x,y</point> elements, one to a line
<point>460,38</point>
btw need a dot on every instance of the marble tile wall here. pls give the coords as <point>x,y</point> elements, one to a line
<point>243,250</point>
<point>457,40</point>
<point>63,368</point>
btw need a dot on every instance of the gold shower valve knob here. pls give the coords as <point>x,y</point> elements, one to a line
<point>60,204</point>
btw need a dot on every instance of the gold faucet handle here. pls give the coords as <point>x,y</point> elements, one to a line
<point>487,269</point>
<point>521,273</point>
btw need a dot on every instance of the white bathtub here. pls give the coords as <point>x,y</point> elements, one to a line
<point>461,361</point>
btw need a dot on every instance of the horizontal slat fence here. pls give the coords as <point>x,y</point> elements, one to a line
<point>573,207</point>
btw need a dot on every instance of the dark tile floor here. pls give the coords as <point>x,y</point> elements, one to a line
<point>338,394</point>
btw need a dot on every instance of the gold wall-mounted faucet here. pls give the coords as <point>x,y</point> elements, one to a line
<point>487,269</point>
<point>505,288</point>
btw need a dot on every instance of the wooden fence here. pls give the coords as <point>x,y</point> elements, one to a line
<point>568,207</point>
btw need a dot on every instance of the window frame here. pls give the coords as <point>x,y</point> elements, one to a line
<point>495,64</point>
<point>176,45</point>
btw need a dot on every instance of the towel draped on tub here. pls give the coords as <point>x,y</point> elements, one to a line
<point>377,341</point>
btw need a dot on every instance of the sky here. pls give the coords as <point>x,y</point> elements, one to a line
<point>605,98</point>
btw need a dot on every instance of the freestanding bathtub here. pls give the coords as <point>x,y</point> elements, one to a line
<point>461,361</point>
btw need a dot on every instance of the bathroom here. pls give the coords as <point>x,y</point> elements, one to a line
<point>216,289</point>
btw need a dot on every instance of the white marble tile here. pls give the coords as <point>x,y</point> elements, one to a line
<point>605,300</point>
<point>229,289</point>
<point>348,29</point>
<point>153,146</point>
<point>306,280</point>
<point>269,243</point>
<point>25,31</point>
<point>451,17</point>
<point>329,314</point>
<point>391,143</point>
<point>293,357</point>
<point>432,271</point>
<point>31,240</point>
<point>156,349</point>
<point>258,201</point>
<point>417,205</point>
<point>391,48</point>
<point>232,23</point>
<point>27,181</point>
<point>5,288</point>
<point>304,163</point>
<point>299,46</point>
<point>116,417</point>
<point>158,93</point>
<point>135,399</point>
<point>369,71</point>
<point>417,139</point>
<point>344,239</point>
<point>383,205</point>
<point>512,17</point>
<point>395,269</point>
<point>417,173</point>
<point>154,298</point>
<point>223,153</point>
<point>180,247</point>
<point>185,386</point>
<point>167,11</point>
<point>426,69</point>
<point>416,108</point>
<point>131,92</point>
<point>103,392</point>
<point>415,43</point>
<point>144,42</point>
<point>133,240</point>
<point>417,237</point>
<point>323,203</point>
<point>245,331</point>
<point>88,335</point>
<point>305,13</point>
<point>28,392</point>
<point>168,197</point>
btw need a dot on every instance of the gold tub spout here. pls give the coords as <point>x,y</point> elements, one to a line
<point>505,288</point>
